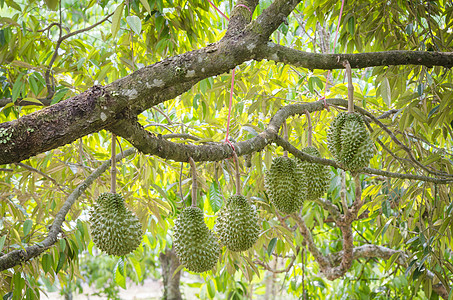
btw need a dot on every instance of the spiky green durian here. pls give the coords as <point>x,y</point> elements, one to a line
<point>114,229</point>
<point>195,245</point>
<point>316,177</point>
<point>284,184</point>
<point>237,224</point>
<point>349,141</point>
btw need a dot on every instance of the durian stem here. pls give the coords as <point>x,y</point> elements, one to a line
<point>113,172</point>
<point>194,181</point>
<point>285,137</point>
<point>309,129</point>
<point>237,173</point>
<point>350,87</point>
<point>343,192</point>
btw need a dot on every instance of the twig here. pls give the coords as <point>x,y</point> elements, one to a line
<point>343,192</point>
<point>50,89</point>
<point>194,181</point>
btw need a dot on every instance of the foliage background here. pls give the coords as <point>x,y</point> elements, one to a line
<point>411,216</point>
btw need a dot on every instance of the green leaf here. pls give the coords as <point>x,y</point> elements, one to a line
<point>386,92</point>
<point>19,282</point>
<point>13,4</point>
<point>146,5</point>
<point>119,278</point>
<point>215,198</point>
<point>27,226</point>
<point>351,25</point>
<point>61,261</point>
<point>46,262</point>
<point>116,19</point>
<point>52,4</point>
<point>32,100</point>
<point>137,268</point>
<point>122,266</point>
<point>271,246</point>
<point>2,242</point>
<point>211,288</point>
<point>17,86</point>
<point>135,24</point>
<point>59,95</point>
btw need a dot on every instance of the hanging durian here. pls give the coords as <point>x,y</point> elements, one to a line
<point>237,222</point>
<point>348,138</point>
<point>316,177</point>
<point>195,245</point>
<point>284,183</point>
<point>114,229</point>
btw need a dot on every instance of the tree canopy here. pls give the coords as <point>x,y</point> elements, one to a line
<point>159,77</point>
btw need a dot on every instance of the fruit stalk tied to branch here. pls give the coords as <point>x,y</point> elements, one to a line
<point>194,181</point>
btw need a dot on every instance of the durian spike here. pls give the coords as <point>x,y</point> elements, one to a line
<point>309,129</point>
<point>113,172</point>
<point>285,137</point>
<point>194,181</point>
<point>350,87</point>
<point>237,173</point>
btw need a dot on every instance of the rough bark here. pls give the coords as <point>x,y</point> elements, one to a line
<point>170,263</point>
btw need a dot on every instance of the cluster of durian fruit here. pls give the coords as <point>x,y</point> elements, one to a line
<point>290,181</point>
<point>198,248</point>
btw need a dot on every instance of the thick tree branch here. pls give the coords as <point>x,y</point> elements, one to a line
<point>17,257</point>
<point>278,53</point>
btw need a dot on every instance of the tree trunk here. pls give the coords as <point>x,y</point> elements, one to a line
<point>170,263</point>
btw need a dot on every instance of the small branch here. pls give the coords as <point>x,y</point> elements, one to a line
<point>162,113</point>
<point>312,61</point>
<point>17,257</point>
<point>388,113</point>
<point>276,271</point>
<point>343,192</point>
<point>50,26</point>
<point>194,181</point>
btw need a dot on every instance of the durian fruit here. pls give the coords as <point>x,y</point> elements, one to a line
<point>195,245</point>
<point>284,184</point>
<point>316,177</point>
<point>237,224</point>
<point>349,141</point>
<point>114,229</point>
